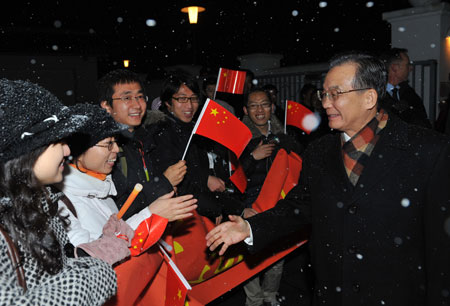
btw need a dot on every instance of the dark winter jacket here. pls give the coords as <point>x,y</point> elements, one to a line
<point>256,170</point>
<point>82,281</point>
<point>171,136</point>
<point>383,242</point>
<point>135,155</point>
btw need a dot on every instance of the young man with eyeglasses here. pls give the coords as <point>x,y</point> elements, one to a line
<point>376,195</point>
<point>401,98</point>
<point>256,160</point>
<point>122,93</point>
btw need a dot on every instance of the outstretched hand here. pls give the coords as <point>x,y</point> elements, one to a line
<point>228,233</point>
<point>173,208</point>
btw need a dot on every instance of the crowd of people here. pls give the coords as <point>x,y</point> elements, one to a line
<point>373,185</point>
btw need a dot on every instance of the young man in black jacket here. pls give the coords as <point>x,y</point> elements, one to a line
<point>122,93</point>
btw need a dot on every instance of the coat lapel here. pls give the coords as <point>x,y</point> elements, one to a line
<point>334,165</point>
<point>387,152</point>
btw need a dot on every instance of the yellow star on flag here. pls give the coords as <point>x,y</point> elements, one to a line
<point>179,294</point>
<point>214,111</point>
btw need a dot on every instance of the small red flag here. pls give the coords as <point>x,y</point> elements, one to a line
<point>281,178</point>
<point>231,81</point>
<point>238,177</point>
<point>218,124</point>
<point>176,285</point>
<point>147,234</point>
<point>300,116</point>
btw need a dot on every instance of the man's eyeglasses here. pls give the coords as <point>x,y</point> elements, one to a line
<point>128,99</point>
<point>109,145</point>
<point>333,94</point>
<point>265,105</point>
<point>193,99</point>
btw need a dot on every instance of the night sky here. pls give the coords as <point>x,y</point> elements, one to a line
<point>155,34</point>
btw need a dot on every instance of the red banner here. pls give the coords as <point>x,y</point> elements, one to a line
<point>211,275</point>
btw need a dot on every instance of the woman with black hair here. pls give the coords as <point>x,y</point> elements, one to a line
<point>206,161</point>
<point>34,124</point>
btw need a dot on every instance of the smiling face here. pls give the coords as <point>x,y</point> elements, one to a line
<point>99,158</point>
<point>49,166</point>
<point>259,108</point>
<point>127,112</point>
<point>348,112</point>
<point>183,111</point>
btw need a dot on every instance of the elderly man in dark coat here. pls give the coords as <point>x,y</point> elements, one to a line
<point>377,195</point>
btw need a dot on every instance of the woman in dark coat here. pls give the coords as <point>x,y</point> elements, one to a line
<point>171,132</point>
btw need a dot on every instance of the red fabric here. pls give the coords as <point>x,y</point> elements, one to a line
<point>156,293</point>
<point>218,124</point>
<point>211,275</point>
<point>190,254</point>
<point>296,114</point>
<point>231,81</point>
<point>147,234</point>
<point>175,289</point>
<point>282,177</point>
<point>213,288</point>
<point>238,177</point>
<point>134,276</point>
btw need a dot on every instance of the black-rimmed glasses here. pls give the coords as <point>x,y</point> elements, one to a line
<point>128,99</point>
<point>193,99</point>
<point>334,93</point>
<point>109,145</point>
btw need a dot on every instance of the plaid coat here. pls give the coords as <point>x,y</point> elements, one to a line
<point>83,281</point>
<point>385,241</point>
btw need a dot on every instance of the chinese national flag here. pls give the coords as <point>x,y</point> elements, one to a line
<point>281,178</point>
<point>218,124</point>
<point>238,177</point>
<point>147,234</point>
<point>300,116</point>
<point>176,285</point>
<point>231,81</point>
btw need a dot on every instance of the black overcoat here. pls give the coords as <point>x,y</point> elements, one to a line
<point>383,242</point>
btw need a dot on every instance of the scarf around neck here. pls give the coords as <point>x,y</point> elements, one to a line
<point>357,150</point>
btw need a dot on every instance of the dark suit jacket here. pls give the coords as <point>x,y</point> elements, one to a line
<point>410,108</point>
<point>384,240</point>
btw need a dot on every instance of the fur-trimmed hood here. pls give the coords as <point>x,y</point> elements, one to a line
<point>154,117</point>
<point>275,126</point>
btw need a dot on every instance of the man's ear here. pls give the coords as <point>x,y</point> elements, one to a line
<point>104,104</point>
<point>370,98</point>
<point>169,106</point>
<point>245,110</point>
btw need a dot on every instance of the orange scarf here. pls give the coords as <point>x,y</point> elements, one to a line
<point>100,176</point>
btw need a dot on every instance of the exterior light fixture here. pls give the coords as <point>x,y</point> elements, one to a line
<point>126,63</point>
<point>193,11</point>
